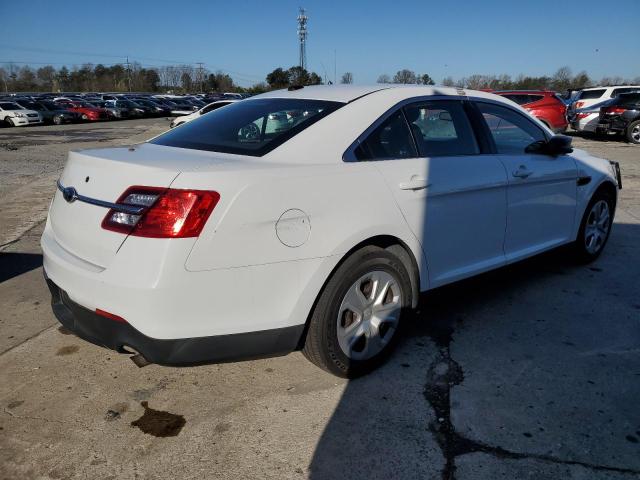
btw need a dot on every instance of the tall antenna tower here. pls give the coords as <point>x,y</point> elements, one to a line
<point>302,37</point>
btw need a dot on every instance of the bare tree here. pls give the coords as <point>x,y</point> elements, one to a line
<point>347,77</point>
<point>384,78</point>
<point>405,76</point>
<point>448,82</point>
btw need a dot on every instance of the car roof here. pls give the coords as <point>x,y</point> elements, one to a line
<point>526,92</point>
<point>349,93</point>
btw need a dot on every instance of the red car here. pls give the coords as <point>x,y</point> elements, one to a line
<point>542,104</point>
<point>86,110</point>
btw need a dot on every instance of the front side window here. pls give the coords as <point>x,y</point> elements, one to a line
<point>254,127</point>
<point>391,139</point>
<point>512,132</point>
<point>441,128</point>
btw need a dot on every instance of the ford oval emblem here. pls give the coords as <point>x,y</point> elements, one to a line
<point>70,194</point>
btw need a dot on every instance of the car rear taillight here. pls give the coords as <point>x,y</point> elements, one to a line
<point>612,110</point>
<point>167,213</point>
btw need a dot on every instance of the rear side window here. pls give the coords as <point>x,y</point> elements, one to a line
<point>253,127</point>
<point>391,139</point>
<point>441,128</point>
<point>591,94</point>
<point>512,132</point>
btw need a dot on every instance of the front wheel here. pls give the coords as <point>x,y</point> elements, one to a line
<point>9,122</point>
<point>57,120</point>
<point>633,132</point>
<point>355,322</point>
<point>595,227</point>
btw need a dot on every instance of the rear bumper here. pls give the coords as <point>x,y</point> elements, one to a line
<point>115,335</point>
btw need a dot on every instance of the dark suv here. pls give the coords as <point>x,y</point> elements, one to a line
<point>622,115</point>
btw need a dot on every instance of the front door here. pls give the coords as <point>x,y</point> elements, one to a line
<point>541,193</point>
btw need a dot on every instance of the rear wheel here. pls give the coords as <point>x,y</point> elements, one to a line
<point>57,120</point>
<point>355,322</point>
<point>595,227</point>
<point>633,132</point>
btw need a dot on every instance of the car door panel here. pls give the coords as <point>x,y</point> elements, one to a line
<point>452,197</point>
<point>541,191</point>
<point>459,217</point>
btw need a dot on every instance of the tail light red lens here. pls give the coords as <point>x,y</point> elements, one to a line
<point>168,213</point>
<point>613,110</point>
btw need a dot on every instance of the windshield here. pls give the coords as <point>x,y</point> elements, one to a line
<point>252,127</point>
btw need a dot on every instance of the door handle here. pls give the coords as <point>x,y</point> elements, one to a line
<point>416,183</point>
<point>522,172</point>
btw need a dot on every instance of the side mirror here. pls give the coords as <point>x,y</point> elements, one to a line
<point>555,146</point>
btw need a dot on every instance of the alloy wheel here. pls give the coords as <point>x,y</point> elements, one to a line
<point>597,227</point>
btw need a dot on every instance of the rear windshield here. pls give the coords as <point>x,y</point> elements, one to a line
<point>523,98</point>
<point>629,99</point>
<point>590,94</point>
<point>253,127</point>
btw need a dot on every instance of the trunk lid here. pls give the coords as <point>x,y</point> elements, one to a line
<point>104,175</point>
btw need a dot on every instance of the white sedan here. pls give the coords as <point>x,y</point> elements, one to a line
<point>225,239</point>
<point>14,115</point>
<point>198,113</point>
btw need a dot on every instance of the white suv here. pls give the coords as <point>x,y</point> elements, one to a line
<point>14,115</point>
<point>590,96</point>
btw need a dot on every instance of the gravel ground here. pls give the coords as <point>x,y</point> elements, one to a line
<point>531,371</point>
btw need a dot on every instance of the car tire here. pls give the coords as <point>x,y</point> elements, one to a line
<point>633,132</point>
<point>57,120</point>
<point>9,122</point>
<point>357,317</point>
<point>595,227</point>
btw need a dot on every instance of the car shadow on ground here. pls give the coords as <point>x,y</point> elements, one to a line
<point>518,364</point>
<point>14,264</point>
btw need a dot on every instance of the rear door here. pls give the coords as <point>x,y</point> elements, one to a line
<point>541,193</point>
<point>452,197</point>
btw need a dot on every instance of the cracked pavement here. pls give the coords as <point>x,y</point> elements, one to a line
<point>529,372</point>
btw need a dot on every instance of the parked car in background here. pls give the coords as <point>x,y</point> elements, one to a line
<point>87,111</point>
<point>14,115</point>
<point>591,96</point>
<point>206,109</point>
<point>119,113</point>
<point>622,115</point>
<point>586,119</point>
<point>155,108</point>
<point>50,112</point>
<point>545,105</point>
<point>317,235</point>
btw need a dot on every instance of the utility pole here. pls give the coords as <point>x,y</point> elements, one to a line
<point>335,66</point>
<point>201,76</point>
<point>128,74</point>
<point>302,37</point>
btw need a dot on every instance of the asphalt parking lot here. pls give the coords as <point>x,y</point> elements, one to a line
<point>529,372</point>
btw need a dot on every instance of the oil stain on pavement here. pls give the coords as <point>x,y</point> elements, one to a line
<point>159,423</point>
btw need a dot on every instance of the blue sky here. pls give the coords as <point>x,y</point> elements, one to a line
<point>248,38</point>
